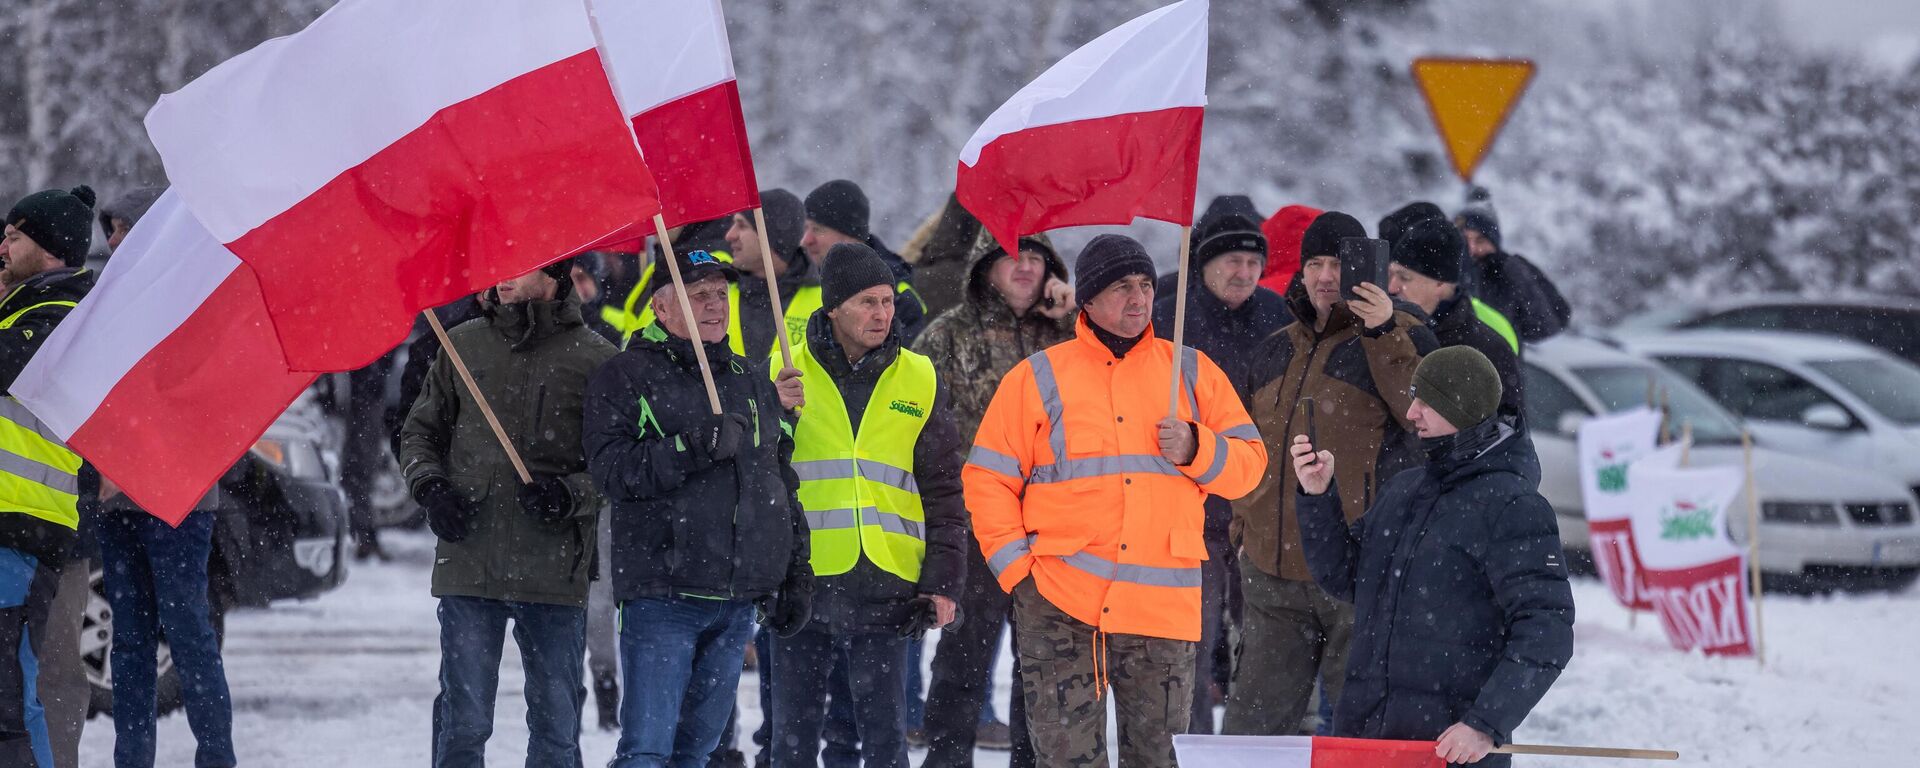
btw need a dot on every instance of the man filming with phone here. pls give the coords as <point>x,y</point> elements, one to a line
<point>1350,355</point>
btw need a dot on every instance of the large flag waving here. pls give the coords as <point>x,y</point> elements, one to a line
<point>168,370</point>
<point>1106,135</point>
<point>672,67</point>
<point>1608,446</point>
<point>395,156</point>
<point>1693,573</point>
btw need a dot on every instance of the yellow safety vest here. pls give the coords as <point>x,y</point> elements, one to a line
<point>628,321</point>
<point>806,300</point>
<point>1498,322</point>
<point>39,474</point>
<point>858,491</point>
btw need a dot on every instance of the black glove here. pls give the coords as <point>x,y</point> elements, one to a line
<point>793,607</point>
<point>922,618</point>
<point>718,438</point>
<point>547,498</point>
<point>450,516</point>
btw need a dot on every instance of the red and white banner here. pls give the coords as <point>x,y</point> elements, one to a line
<point>1302,752</point>
<point>1608,446</point>
<point>672,68</point>
<point>395,156</point>
<point>1691,570</point>
<point>1108,134</point>
<point>169,370</point>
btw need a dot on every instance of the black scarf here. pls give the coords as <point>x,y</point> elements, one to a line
<point>1117,344</point>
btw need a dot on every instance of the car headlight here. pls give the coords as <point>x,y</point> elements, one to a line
<point>273,451</point>
<point>1799,513</point>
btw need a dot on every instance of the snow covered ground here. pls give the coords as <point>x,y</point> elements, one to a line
<point>349,679</point>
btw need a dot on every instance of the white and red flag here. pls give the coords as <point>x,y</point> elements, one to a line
<point>1690,568</point>
<point>1302,752</point>
<point>1608,447</point>
<point>395,156</point>
<point>1106,135</point>
<point>168,370</point>
<point>672,68</point>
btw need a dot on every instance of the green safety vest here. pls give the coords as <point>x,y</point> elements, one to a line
<point>858,491</point>
<point>39,474</point>
<point>1498,322</point>
<point>635,315</point>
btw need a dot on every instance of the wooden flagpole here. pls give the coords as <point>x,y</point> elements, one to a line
<point>773,288</point>
<point>1543,749</point>
<point>1179,323</point>
<point>686,310</point>
<point>499,432</point>
<point>1753,550</point>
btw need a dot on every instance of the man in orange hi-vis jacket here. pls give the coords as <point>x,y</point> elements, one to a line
<point>1087,501</point>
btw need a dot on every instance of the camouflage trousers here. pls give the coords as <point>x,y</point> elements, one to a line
<point>1151,679</point>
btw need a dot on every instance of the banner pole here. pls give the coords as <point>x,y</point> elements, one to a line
<point>1753,550</point>
<point>686,309</point>
<point>773,288</point>
<point>1544,749</point>
<point>460,365</point>
<point>1179,322</point>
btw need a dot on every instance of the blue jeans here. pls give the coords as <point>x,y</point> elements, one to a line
<point>156,581</point>
<point>681,658</point>
<point>26,592</point>
<point>875,666</point>
<point>552,640</point>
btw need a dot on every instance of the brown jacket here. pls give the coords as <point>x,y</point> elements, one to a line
<point>1359,381</point>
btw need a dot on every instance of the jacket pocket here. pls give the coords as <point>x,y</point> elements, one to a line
<point>1187,543</point>
<point>1059,544</point>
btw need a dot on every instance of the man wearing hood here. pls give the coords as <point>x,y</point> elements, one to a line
<point>1463,616</point>
<point>1508,281</point>
<point>1228,313</point>
<point>1341,369</point>
<point>1014,307</point>
<point>510,551</point>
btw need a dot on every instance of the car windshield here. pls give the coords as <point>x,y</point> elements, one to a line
<point>1625,386</point>
<point>1889,387</point>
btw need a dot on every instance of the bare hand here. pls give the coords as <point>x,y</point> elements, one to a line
<point>943,610</point>
<point>1462,744</point>
<point>1056,299</point>
<point>793,394</point>
<point>1313,468</point>
<point>1176,442</point>
<point>1371,304</point>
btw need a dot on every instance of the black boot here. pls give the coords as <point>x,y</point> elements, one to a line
<point>606,696</point>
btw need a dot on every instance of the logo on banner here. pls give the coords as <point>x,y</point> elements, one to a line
<point>1685,520</point>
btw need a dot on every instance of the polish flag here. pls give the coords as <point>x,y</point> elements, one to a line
<point>168,370</point>
<point>1108,134</point>
<point>395,156</point>
<point>1302,752</point>
<point>672,68</point>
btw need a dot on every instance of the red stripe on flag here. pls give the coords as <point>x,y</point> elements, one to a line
<point>1108,170</point>
<point>697,148</point>
<point>198,400</point>
<point>489,188</point>
<point>1336,752</point>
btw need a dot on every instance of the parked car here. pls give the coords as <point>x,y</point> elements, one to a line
<point>1818,396</point>
<point>1823,525</point>
<point>1891,323</point>
<point>279,534</point>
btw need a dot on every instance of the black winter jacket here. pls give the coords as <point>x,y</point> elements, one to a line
<point>1513,285</point>
<point>1462,611</point>
<point>867,598</point>
<point>682,524</point>
<point>1455,324</point>
<point>48,542</point>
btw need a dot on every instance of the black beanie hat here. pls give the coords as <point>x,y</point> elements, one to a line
<point>1226,234</point>
<point>59,220</point>
<point>1483,221</point>
<point>1434,248</point>
<point>1396,224</point>
<point>851,268</point>
<point>1323,236</point>
<point>841,205</point>
<point>1460,384</point>
<point>1105,261</point>
<point>786,221</point>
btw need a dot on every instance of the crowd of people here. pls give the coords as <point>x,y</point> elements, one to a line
<point>1339,506</point>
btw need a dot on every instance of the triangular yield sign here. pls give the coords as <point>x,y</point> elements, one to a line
<point>1470,99</point>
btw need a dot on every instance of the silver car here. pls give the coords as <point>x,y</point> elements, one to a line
<point>1822,524</point>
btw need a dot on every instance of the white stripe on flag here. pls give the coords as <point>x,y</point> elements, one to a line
<point>265,129</point>
<point>1154,62</point>
<point>167,267</point>
<point>661,50</point>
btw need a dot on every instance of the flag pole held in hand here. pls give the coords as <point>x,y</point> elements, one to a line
<point>499,432</point>
<point>1180,322</point>
<point>773,287</point>
<point>1629,754</point>
<point>686,309</point>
